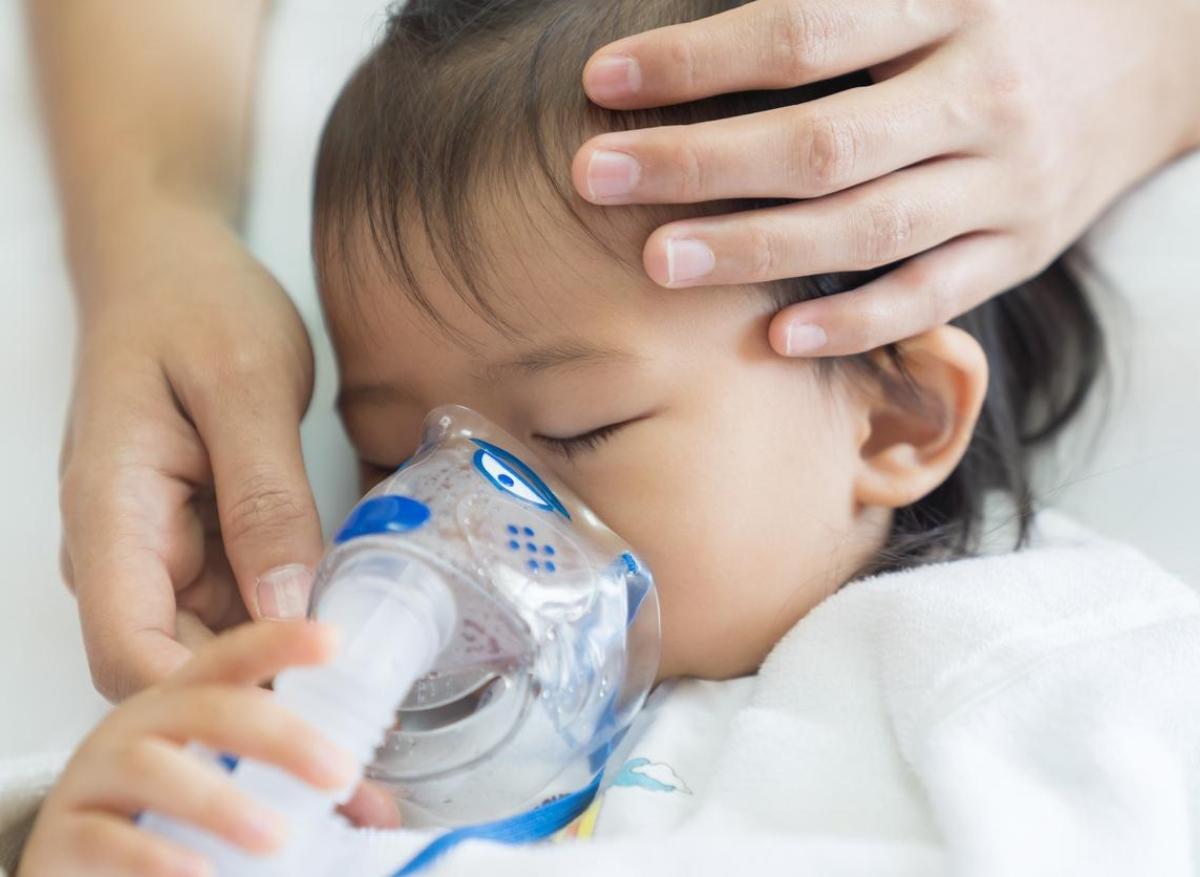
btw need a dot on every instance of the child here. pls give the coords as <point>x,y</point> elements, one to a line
<point>1021,714</point>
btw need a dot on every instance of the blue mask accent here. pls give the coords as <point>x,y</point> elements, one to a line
<point>383,514</point>
<point>639,583</point>
<point>511,476</point>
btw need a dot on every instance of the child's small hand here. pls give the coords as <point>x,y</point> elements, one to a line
<point>135,760</point>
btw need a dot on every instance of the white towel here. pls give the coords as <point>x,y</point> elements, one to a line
<point>23,784</point>
<point>1023,714</point>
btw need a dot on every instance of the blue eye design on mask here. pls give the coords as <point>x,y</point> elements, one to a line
<point>509,475</point>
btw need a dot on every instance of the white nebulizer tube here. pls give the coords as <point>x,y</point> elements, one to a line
<point>395,615</point>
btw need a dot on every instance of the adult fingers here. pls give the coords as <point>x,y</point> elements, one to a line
<point>212,595</point>
<point>128,464</point>
<point>920,294</point>
<point>798,152</point>
<point>127,612</point>
<point>254,653</point>
<point>766,44</point>
<point>153,775</point>
<point>125,593</point>
<point>904,213</point>
<point>269,520</point>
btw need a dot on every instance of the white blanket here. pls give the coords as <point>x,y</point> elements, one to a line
<point>1024,714</point>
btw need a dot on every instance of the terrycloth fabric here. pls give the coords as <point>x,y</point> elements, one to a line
<point>23,784</point>
<point>1027,714</point>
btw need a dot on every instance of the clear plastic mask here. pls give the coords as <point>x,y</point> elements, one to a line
<point>555,640</point>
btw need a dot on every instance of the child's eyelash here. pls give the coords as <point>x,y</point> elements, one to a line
<point>589,441</point>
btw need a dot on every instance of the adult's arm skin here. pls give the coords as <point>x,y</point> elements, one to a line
<point>193,369</point>
<point>994,133</point>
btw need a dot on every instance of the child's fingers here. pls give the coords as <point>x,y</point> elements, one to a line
<point>248,722</point>
<point>160,777</point>
<point>371,806</point>
<point>191,631</point>
<point>114,847</point>
<point>254,653</point>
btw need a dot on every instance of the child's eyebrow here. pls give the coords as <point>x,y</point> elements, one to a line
<point>371,394</point>
<point>562,354</point>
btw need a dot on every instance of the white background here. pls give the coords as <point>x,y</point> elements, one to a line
<point>1140,486</point>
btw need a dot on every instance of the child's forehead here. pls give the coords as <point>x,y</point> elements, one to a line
<point>558,316</point>
<point>518,272</point>
<point>573,315</point>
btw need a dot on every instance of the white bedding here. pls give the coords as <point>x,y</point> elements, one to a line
<point>1043,721</point>
<point>1139,488</point>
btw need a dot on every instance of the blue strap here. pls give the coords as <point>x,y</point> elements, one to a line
<point>532,825</point>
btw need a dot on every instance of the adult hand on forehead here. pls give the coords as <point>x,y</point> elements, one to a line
<point>994,132</point>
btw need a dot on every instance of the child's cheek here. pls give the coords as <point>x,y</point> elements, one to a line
<point>697,529</point>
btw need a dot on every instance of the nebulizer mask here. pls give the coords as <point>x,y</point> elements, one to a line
<point>497,641</point>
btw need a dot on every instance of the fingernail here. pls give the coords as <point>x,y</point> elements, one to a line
<point>375,808</point>
<point>612,174</point>
<point>687,259</point>
<point>261,829</point>
<point>283,592</point>
<point>189,865</point>
<point>801,339</point>
<point>335,767</point>
<point>613,77</point>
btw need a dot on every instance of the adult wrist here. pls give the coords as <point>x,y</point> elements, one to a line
<point>119,245</point>
<point>1188,84</point>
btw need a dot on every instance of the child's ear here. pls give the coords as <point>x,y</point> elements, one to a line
<point>918,421</point>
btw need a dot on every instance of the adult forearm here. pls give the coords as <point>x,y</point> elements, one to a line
<point>1191,81</point>
<point>147,104</point>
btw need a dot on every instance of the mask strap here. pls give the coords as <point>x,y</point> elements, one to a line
<point>533,825</point>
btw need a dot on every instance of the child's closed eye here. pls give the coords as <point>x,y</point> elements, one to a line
<point>370,474</point>
<point>588,441</point>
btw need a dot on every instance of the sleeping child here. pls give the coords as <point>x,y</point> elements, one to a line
<point>848,682</point>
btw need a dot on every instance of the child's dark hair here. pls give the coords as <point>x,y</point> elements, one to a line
<point>465,97</point>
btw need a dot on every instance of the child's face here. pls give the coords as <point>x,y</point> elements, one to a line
<point>729,469</point>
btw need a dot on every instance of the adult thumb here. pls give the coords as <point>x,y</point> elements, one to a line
<point>269,521</point>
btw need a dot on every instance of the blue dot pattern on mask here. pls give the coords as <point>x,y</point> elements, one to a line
<point>534,563</point>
